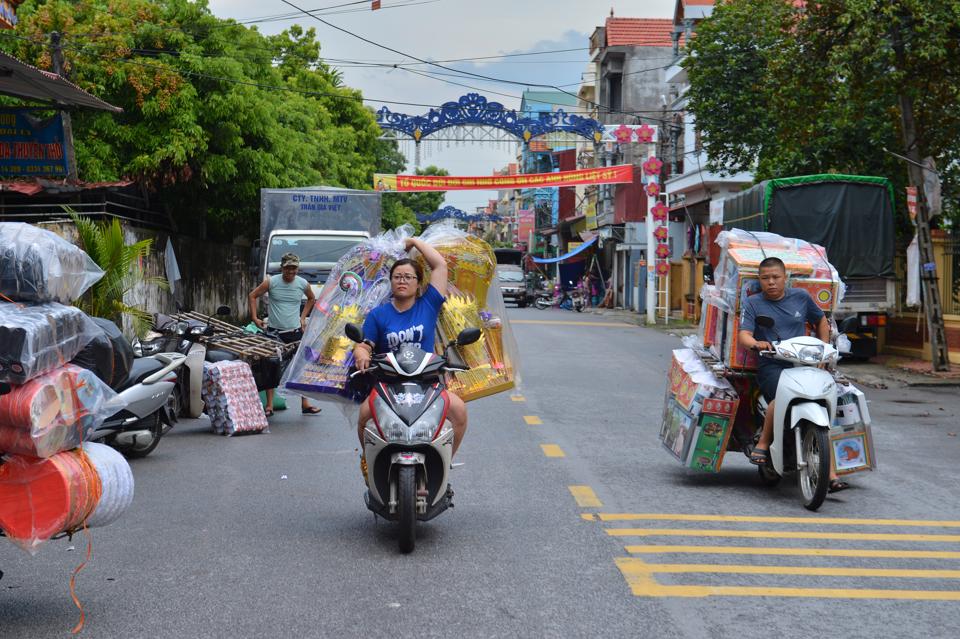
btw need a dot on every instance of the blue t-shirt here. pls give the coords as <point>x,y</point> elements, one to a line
<point>789,313</point>
<point>388,327</point>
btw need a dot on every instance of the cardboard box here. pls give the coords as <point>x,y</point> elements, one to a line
<point>851,439</point>
<point>712,434</point>
<point>677,430</point>
<point>823,292</point>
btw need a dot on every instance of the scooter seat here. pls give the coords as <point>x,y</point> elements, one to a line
<point>140,369</point>
<point>219,356</point>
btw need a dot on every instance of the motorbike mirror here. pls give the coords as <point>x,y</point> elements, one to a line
<point>4,388</point>
<point>224,311</point>
<point>208,331</point>
<point>354,332</point>
<point>764,322</point>
<point>468,336</point>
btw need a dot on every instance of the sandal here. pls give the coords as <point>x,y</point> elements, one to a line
<point>759,456</point>
<point>268,412</point>
<point>836,485</point>
<point>311,410</point>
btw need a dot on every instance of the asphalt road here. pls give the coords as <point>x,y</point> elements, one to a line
<point>267,536</point>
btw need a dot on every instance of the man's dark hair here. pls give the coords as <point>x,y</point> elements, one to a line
<point>770,262</point>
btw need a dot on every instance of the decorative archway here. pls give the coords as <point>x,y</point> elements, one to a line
<point>457,214</point>
<point>475,111</point>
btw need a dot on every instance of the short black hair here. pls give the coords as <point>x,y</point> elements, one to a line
<point>769,262</point>
<point>406,261</point>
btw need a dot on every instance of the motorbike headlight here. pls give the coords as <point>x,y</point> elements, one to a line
<point>786,352</point>
<point>391,425</point>
<point>811,354</point>
<point>137,348</point>
<point>424,428</point>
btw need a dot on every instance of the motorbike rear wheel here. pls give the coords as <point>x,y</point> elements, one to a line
<point>542,303</point>
<point>407,505</point>
<point>141,450</point>
<point>814,477</point>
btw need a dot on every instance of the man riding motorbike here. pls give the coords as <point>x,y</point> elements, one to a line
<point>409,316</point>
<point>791,309</point>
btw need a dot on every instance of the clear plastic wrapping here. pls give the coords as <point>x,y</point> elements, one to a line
<point>37,265</point>
<point>40,498</point>
<point>231,399</point>
<point>116,484</point>
<point>55,411</point>
<point>35,339</point>
<point>358,283</point>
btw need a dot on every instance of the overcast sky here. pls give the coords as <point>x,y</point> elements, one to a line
<point>446,29</point>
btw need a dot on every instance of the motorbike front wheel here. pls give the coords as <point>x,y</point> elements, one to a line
<point>542,303</point>
<point>407,504</point>
<point>815,475</point>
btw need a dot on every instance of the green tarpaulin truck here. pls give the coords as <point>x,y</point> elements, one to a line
<point>851,216</point>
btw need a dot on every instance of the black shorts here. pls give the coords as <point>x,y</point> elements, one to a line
<point>768,377</point>
<point>287,336</point>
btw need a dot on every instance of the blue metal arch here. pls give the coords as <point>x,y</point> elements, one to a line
<point>474,109</point>
<point>455,213</point>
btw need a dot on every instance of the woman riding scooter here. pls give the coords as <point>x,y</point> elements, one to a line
<point>409,316</point>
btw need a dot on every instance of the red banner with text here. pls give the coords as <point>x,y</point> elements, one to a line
<point>622,174</point>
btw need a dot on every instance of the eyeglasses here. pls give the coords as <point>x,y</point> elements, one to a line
<point>404,277</point>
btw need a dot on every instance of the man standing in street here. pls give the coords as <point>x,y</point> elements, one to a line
<point>284,316</point>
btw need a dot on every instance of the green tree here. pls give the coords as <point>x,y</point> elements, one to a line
<point>402,208</point>
<point>213,110</point>
<point>781,89</point>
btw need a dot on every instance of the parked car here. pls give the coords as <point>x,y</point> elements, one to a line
<point>514,285</point>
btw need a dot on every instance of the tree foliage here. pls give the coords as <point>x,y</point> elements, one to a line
<point>213,110</point>
<point>402,208</point>
<point>781,89</point>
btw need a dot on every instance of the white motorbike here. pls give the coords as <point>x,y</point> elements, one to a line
<point>806,402</point>
<point>408,442</point>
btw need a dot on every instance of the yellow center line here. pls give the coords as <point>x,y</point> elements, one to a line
<point>774,534</point>
<point>585,497</point>
<point>532,420</point>
<point>815,571</point>
<point>839,521</point>
<point>573,323</point>
<point>799,552</point>
<point>552,450</point>
<point>518,398</point>
<point>642,584</point>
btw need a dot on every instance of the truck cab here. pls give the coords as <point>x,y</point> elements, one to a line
<point>318,251</point>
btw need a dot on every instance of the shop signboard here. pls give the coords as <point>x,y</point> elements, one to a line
<point>31,146</point>
<point>8,13</point>
<point>525,223</point>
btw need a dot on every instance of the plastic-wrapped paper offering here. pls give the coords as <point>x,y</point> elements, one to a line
<point>37,265</point>
<point>116,484</point>
<point>231,400</point>
<point>35,339</point>
<point>358,283</point>
<point>55,412</point>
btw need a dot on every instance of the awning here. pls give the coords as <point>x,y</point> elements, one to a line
<point>553,260</point>
<point>22,80</point>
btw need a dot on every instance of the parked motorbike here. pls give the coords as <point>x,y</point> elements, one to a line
<point>136,430</point>
<point>806,402</point>
<point>568,300</point>
<point>408,443</point>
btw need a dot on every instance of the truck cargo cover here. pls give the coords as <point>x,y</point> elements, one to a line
<point>850,215</point>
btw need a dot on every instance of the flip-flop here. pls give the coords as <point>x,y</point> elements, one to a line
<point>759,456</point>
<point>268,412</point>
<point>836,485</point>
<point>311,410</point>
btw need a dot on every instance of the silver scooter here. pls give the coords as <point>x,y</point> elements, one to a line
<point>136,430</point>
<point>408,442</point>
<point>806,402</point>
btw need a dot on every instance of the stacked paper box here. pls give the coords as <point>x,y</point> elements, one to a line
<point>231,399</point>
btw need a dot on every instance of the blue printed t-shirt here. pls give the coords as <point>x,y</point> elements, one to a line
<point>388,327</point>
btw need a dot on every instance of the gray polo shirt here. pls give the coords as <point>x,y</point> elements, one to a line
<point>789,313</point>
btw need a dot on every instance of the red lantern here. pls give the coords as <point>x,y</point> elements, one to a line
<point>663,251</point>
<point>645,134</point>
<point>653,189</point>
<point>663,268</point>
<point>659,212</point>
<point>652,166</point>
<point>661,233</point>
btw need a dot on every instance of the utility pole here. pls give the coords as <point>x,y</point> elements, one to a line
<point>928,266</point>
<point>56,54</point>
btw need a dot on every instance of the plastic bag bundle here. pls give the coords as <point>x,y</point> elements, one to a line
<point>54,412</point>
<point>231,399</point>
<point>358,283</point>
<point>37,265</point>
<point>116,481</point>
<point>35,339</point>
<point>40,498</point>
<point>108,354</point>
